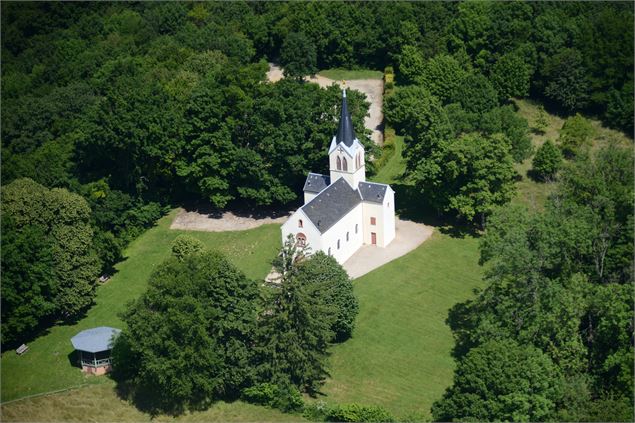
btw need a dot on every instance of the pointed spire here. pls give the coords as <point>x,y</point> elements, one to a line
<point>345,131</point>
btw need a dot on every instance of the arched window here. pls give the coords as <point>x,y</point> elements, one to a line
<point>339,163</point>
<point>300,239</point>
<point>346,236</point>
<point>300,224</point>
<point>356,227</point>
<point>345,164</point>
<point>338,244</point>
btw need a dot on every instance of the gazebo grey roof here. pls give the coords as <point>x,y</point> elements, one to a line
<point>95,339</point>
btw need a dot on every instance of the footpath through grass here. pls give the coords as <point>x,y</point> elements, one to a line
<point>339,74</point>
<point>47,365</point>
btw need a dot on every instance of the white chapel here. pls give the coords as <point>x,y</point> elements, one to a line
<point>342,211</point>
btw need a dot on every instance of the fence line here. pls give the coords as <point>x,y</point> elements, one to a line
<point>42,394</point>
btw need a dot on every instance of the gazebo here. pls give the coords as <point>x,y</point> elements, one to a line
<point>94,347</point>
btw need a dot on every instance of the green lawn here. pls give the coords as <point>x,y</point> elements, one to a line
<point>339,74</point>
<point>393,169</point>
<point>399,356</point>
<point>46,367</point>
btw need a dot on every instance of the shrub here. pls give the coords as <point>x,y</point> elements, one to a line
<point>547,161</point>
<point>576,133</point>
<point>184,245</point>
<point>316,412</point>
<point>286,398</point>
<point>358,413</point>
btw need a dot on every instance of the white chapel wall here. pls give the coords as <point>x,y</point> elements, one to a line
<point>291,226</point>
<point>339,231</point>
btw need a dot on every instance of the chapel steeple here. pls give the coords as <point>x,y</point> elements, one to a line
<point>345,131</point>
<point>346,154</point>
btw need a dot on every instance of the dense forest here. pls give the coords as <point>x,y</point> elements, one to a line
<point>113,112</point>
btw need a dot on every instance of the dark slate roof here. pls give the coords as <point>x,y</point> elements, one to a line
<point>316,182</point>
<point>372,192</point>
<point>328,207</point>
<point>345,131</point>
<point>95,339</point>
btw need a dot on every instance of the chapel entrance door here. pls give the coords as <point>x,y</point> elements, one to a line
<point>373,238</point>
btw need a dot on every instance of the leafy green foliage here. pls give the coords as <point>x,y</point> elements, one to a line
<point>547,161</point>
<point>467,176</point>
<point>28,279</point>
<point>576,134</point>
<point>411,65</point>
<point>294,327</point>
<point>189,338</point>
<point>298,56</point>
<point>542,122</point>
<point>358,413</point>
<point>565,81</point>
<point>62,273</point>
<point>442,75</point>
<point>511,76</point>
<point>501,380</point>
<point>185,245</point>
<point>559,281</point>
<point>331,281</point>
<point>475,94</point>
<point>286,398</point>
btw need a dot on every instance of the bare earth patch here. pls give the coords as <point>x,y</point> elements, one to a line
<point>373,88</point>
<point>220,222</point>
<point>408,236</point>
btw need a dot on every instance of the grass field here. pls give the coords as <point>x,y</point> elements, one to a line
<point>399,356</point>
<point>339,74</point>
<point>99,403</point>
<point>534,194</point>
<point>46,366</point>
<point>393,169</point>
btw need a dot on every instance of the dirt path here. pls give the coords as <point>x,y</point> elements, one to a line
<point>227,221</point>
<point>372,88</point>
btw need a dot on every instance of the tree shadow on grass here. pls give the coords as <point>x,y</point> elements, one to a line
<point>461,322</point>
<point>410,204</point>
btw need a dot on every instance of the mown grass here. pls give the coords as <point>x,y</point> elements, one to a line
<point>392,169</point>
<point>339,74</point>
<point>101,404</point>
<point>400,354</point>
<point>47,365</point>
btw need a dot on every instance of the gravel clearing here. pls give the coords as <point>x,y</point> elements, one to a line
<point>408,236</point>
<point>226,221</point>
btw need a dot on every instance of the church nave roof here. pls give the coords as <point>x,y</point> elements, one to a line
<point>332,204</point>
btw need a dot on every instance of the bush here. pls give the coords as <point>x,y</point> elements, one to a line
<point>575,134</point>
<point>184,245</point>
<point>286,398</point>
<point>358,413</point>
<point>547,161</point>
<point>316,412</point>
